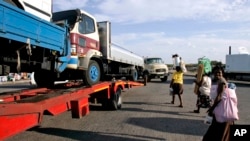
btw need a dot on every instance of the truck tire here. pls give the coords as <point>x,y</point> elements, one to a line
<point>145,79</point>
<point>146,76</point>
<point>93,74</point>
<point>105,104</point>
<point>164,79</point>
<point>134,75</point>
<point>116,100</point>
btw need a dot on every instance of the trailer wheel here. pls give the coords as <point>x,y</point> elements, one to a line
<point>105,104</point>
<point>93,74</point>
<point>116,101</point>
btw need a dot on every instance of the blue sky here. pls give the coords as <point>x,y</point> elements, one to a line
<point>160,28</point>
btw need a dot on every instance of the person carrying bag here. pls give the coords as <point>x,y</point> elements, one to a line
<point>224,112</point>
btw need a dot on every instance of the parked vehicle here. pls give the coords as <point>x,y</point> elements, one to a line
<point>155,68</point>
<point>237,66</point>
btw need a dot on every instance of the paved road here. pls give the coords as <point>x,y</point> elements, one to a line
<point>146,115</point>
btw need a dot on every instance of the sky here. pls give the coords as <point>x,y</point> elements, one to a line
<point>160,28</point>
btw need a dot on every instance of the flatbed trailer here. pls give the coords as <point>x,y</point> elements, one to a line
<point>24,109</point>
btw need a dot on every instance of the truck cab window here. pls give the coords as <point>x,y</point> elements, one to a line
<point>87,25</point>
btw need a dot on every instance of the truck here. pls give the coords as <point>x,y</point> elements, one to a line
<point>155,68</point>
<point>237,66</point>
<point>71,45</point>
<point>66,45</point>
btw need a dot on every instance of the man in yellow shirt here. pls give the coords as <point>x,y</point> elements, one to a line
<point>177,85</point>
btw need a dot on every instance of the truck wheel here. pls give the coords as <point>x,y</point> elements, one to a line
<point>145,79</point>
<point>134,75</point>
<point>165,78</point>
<point>93,74</point>
<point>44,78</point>
<point>116,100</point>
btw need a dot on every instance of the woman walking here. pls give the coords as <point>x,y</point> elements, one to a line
<point>177,85</point>
<point>203,96</point>
<point>218,131</point>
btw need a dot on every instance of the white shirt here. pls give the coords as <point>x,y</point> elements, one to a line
<point>206,86</point>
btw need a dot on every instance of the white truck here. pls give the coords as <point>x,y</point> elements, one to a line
<point>155,68</point>
<point>237,66</point>
<point>70,46</point>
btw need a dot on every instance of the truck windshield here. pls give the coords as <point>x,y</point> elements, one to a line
<point>86,25</point>
<point>153,60</point>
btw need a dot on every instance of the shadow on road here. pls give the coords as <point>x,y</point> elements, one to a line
<point>92,136</point>
<point>188,114</point>
<point>171,125</point>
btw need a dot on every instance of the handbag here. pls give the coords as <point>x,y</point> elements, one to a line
<point>227,110</point>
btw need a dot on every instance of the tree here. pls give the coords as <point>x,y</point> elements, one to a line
<point>216,63</point>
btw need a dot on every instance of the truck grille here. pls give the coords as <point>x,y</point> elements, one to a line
<point>160,70</point>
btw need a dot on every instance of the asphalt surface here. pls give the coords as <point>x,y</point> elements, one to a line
<point>146,115</point>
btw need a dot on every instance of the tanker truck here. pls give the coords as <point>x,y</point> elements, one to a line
<point>71,45</point>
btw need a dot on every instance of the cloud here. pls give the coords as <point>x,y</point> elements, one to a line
<point>147,10</point>
<point>139,11</point>
<point>59,5</point>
